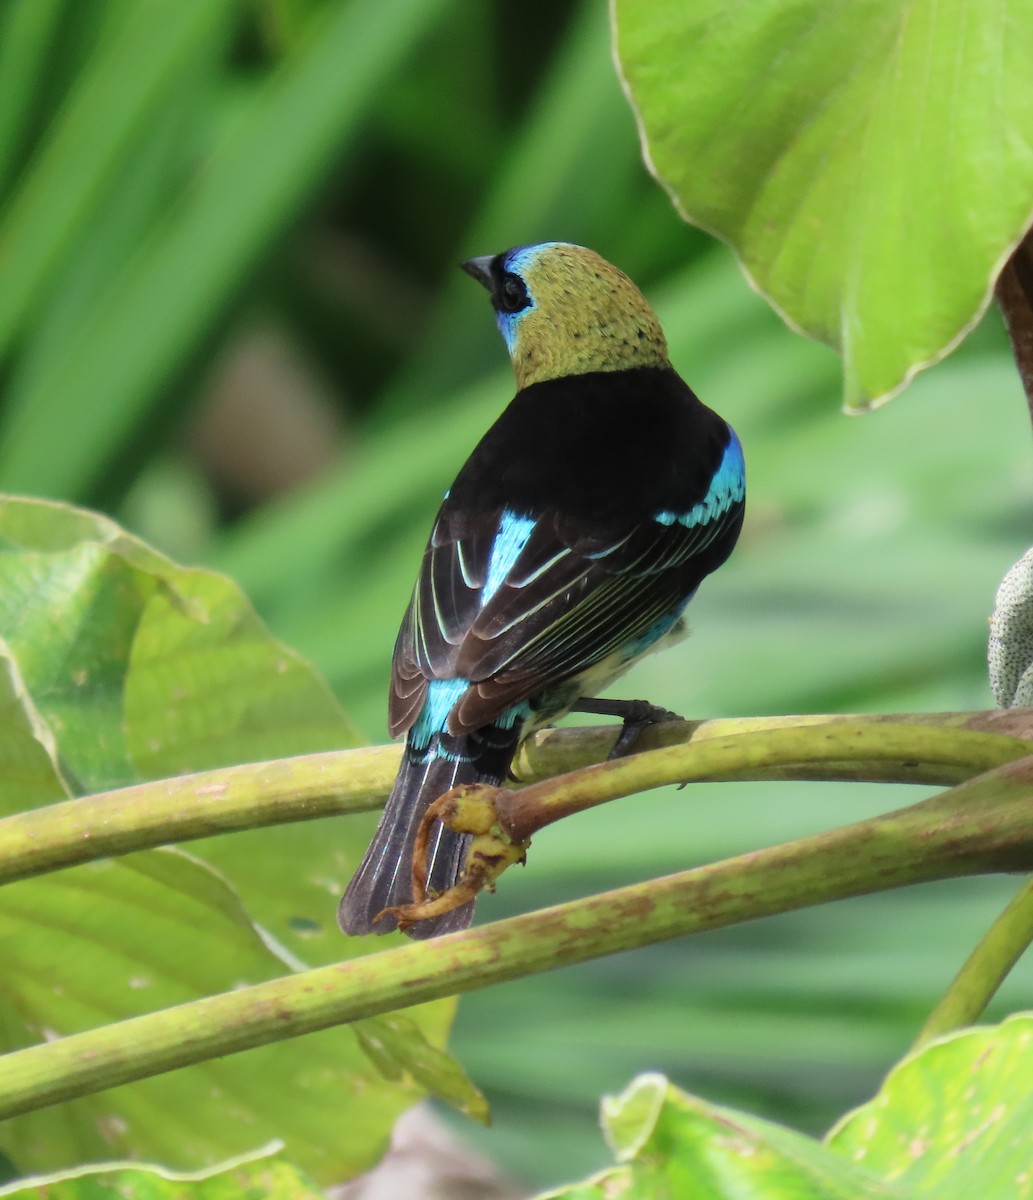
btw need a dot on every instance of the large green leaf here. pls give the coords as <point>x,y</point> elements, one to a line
<point>269,1176</point>
<point>871,163</point>
<point>670,1144</point>
<point>123,666</point>
<point>953,1120</point>
<point>97,944</point>
<point>143,668</point>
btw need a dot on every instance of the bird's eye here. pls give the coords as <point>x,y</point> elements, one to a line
<point>512,294</point>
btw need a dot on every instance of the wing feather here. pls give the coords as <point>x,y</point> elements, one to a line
<point>567,602</point>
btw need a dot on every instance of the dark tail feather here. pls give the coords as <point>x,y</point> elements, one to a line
<point>384,877</point>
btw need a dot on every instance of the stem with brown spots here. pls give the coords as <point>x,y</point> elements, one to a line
<point>985,825</point>
<point>321,785</point>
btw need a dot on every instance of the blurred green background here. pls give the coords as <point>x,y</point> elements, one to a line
<point>230,316</point>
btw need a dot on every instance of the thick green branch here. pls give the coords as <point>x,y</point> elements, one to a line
<point>982,826</point>
<point>954,747</point>
<point>193,806</point>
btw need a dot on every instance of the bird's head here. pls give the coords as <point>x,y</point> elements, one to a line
<point>563,310</point>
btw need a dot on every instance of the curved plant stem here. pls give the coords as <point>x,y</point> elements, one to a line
<point>985,825</point>
<point>987,966</point>
<point>850,748</point>
<point>936,748</point>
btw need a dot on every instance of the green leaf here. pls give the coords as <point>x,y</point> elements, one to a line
<point>29,770</point>
<point>26,29</point>
<point>395,1044</point>
<point>954,1119</point>
<point>143,668</point>
<point>163,305</point>
<point>114,96</point>
<point>869,175</point>
<point>270,1176</point>
<point>98,944</point>
<point>668,1143</point>
<point>123,666</point>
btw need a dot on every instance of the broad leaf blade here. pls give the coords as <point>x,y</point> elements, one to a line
<point>869,177</point>
<point>97,944</point>
<point>125,666</point>
<point>669,1143</point>
<point>142,667</point>
<point>954,1119</point>
<point>269,1175</point>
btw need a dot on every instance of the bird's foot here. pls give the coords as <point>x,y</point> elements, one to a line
<point>636,714</point>
<point>469,809</point>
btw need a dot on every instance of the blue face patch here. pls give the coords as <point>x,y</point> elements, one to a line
<point>518,261</point>
<point>728,487</point>
<point>522,258</point>
<point>510,539</point>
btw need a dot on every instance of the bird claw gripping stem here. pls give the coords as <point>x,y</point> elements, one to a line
<point>637,715</point>
<point>640,715</point>
<point>470,809</point>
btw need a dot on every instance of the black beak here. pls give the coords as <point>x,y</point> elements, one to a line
<point>480,269</point>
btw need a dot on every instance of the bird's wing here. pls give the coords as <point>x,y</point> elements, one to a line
<point>519,606</point>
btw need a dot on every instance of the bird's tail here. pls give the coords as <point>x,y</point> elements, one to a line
<point>384,877</point>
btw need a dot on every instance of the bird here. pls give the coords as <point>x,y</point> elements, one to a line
<point>567,547</point>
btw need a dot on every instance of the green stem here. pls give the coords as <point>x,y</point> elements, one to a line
<point>985,825</point>
<point>849,748</point>
<point>193,806</point>
<point>936,748</point>
<point>987,966</point>
<point>554,750</point>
